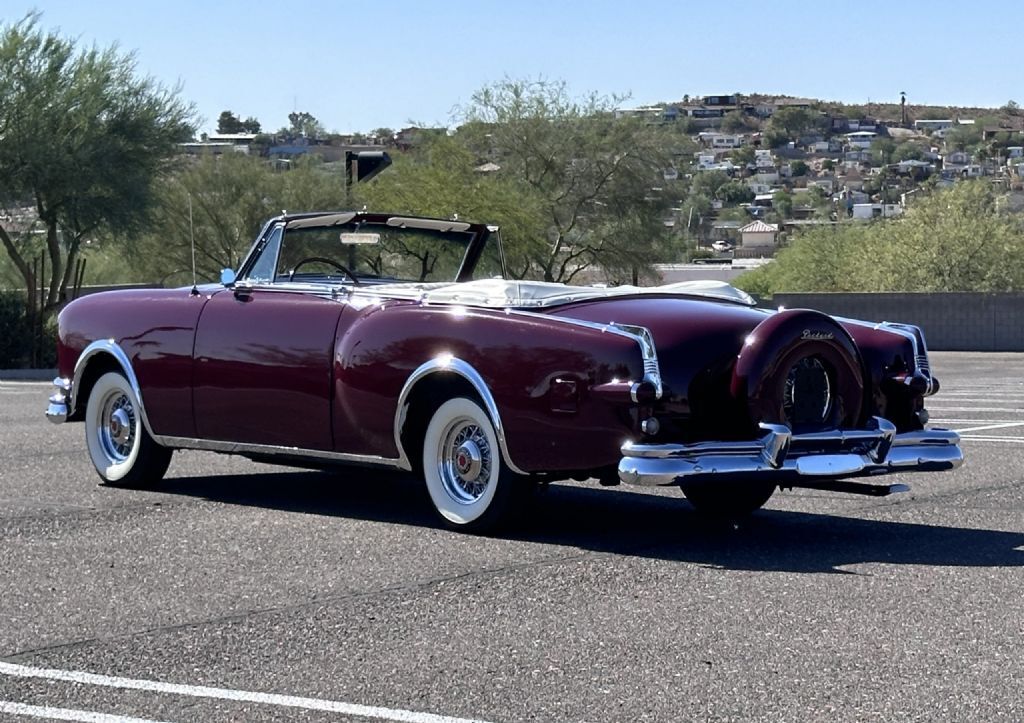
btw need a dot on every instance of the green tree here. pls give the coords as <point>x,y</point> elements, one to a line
<point>882,150</point>
<point>82,139</point>
<point>743,155</point>
<point>439,177</point>
<point>907,151</point>
<point>793,122</point>
<point>228,122</point>
<point>707,183</point>
<point>222,202</point>
<point>301,123</point>
<point>734,122</point>
<point>963,137</point>
<point>959,239</point>
<point>782,203</point>
<point>734,192</point>
<point>799,168</point>
<point>587,167</point>
<point>251,125</point>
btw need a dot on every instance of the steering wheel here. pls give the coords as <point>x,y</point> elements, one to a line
<point>329,262</point>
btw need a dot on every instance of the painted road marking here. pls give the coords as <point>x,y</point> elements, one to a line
<point>45,711</point>
<point>991,426</point>
<point>951,420</point>
<point>975,409</point>
<point>245,696</point>
<point>980,438</point>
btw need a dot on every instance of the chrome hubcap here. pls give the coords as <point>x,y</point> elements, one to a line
<point>465,461</point>
<point>120,426</point>
<point>116,428</point>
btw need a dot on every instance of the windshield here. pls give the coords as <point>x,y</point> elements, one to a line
<point>368,253</point>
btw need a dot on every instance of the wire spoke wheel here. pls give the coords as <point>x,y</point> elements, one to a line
<point>465,461</point>
<point>467,480</point>
<point>119,446</point>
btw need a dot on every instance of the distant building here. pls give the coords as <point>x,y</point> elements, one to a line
<point>199,148</point>
<point>933,125</point>
<point>866,211</point>
<point>758,234</point>
<point>861,139</point>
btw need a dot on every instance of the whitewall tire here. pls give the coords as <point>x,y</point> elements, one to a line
<point>467,480</point>
<point>121,450</point>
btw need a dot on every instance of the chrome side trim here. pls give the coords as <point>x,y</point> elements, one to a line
<point>652,371</point>
<point>782,457</point>
<point>326,290</point>
<point>915,335</point>
<point>910,333</point>
<point>110,348</point>
<point>213,445</point>
<point>640,334</point>
<point>446,363</point>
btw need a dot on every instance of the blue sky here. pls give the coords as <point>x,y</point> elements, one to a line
<point>357,66</point>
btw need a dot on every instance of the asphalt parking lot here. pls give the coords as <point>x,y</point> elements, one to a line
<point>239,591</point>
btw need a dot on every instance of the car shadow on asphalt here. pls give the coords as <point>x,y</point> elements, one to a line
<point>633,523</point>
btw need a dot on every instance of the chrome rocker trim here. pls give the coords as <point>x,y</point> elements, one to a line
<point>789,459</point>
<point>271,450</point>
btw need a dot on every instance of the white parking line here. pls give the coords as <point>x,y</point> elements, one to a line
<point>202,691</point>
<point>991,426</point>
<point>945,409</point>
<point>992,438</point>
<point>45,711</point>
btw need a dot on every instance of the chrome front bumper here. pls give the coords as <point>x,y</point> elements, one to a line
<point>57,409</point>
<point>783,457</point>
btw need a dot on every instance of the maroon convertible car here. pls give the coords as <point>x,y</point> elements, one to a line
<point>391,341</point>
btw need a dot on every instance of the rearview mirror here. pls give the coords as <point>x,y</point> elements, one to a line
<point>227,277</point>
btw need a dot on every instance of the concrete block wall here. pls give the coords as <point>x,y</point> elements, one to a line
<point>951,321</point>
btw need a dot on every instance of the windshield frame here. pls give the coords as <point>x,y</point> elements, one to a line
<point>480,236</point>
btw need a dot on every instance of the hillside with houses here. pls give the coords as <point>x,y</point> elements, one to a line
<point>766,167</point>
<point>747,172</point>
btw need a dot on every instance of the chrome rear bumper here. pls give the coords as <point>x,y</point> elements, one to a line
<point>783,457</point>
<point>57,409</point>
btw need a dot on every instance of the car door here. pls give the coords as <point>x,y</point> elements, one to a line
<point>263,367</point>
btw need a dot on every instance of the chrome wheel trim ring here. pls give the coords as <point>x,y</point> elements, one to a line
<point>116,426</point>
<point>465,461</point>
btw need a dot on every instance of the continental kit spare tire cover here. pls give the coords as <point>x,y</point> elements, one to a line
<point>801,368</point>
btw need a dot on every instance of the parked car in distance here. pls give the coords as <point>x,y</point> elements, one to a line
<point>389,341</point>
<point>722,246</point>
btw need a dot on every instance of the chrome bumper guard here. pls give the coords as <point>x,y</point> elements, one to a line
<point>57,409</point>
<point>783,457</point>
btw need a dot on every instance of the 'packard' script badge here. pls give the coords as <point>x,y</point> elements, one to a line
<point>817,335</point>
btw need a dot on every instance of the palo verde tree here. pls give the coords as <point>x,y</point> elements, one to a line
<point>959,239</point>
<point>441,177</point>
<point>82,138</point>
<point>220,203</point>
<point>586,169</point>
